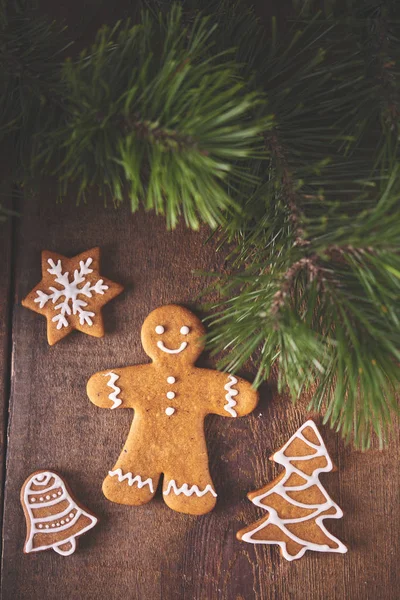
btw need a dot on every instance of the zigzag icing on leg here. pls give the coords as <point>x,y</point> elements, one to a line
<point>188,491</point>
<point>230,402</point>
<point>132,479</point>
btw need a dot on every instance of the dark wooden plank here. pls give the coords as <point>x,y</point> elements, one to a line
<point>5,328</point>
<point>152,552</point>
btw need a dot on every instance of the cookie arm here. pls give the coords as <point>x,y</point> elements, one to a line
<point>231,396</point>
<point>104,390</point>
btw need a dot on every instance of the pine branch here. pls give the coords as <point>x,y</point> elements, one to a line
<point>317,245</point>
<point>175,112</point>
<point>152,110</point>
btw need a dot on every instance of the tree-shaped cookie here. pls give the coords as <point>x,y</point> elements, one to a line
<point>54,518</point>
<point>71,294</point>
<point>171,398</point>
<point>296,502</point>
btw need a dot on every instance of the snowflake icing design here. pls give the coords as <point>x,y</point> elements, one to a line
<point>71,292</point>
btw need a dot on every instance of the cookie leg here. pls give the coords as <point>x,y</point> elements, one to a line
<point>132,486</point>
<point>190,489</point>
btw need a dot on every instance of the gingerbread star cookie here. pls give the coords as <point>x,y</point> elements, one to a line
<point>71,294</point>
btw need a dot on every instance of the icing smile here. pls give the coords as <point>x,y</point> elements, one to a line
<point>160,345</point>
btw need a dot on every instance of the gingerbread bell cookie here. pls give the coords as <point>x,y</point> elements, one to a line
<point>54,518</point>
<point>296,502</point>
<point>71,294</point>
<point>171,398</point>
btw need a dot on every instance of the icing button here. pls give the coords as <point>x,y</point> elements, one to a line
<point>170,395</point>
<point>171,380</point>
<point>169,411</point>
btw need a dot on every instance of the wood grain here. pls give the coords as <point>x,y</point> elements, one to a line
<point>150,551</point>
<point>5,328</point>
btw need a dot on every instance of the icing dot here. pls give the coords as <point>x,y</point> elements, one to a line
<point>67,520</point>
<point>185,330</point>
<point>47,526</point>
<point>58,493</point>
<point>170,395</point>
<point>160,329</point>
<point>62,522</point>
<point>33,499</point>
<point>41,499</point>
<point>169,411</point>
<point>40,526</point>
<point>71,515</point>
<point>54,495</point>
<point>171,379</point>
<point>52,525</point>
<point>47,497</point>
<point>57,524</point>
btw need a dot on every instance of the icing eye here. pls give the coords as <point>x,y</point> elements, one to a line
<point>160,329</point>
<point>185,330</point>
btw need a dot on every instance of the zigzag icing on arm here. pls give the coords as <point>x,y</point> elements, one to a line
<point>132,479</point>
<point>188,491</point>
<point>230,402</point>
<point>281,489</point>
<point>111,383</point>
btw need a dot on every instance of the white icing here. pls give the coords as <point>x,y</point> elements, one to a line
<point>169,411</point>
<point>71,292</point>
<point>188,491</point>
<point>230,402</point>
<point>185,330</point>
<point>171,380</point>
<point>111,383</point>
<point>69,551</point>
<point>37,523</point>
<point>281,489</point>
<point>170,395</point>
<point>131,479</point>
<point>159,329</point>
<point>173,351</point>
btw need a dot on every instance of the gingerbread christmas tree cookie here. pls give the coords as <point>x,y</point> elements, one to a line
<point>54,518</point>
<point>171,398</point>
<point>296,501</point>
<point>71,294</point>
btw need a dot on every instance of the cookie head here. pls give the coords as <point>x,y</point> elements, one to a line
<point>173,333</point>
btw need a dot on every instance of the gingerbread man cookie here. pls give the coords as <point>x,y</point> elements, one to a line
<point>171,398</point>
<point>71,294</point>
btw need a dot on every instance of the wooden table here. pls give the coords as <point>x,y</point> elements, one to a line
<point>151,552</point>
